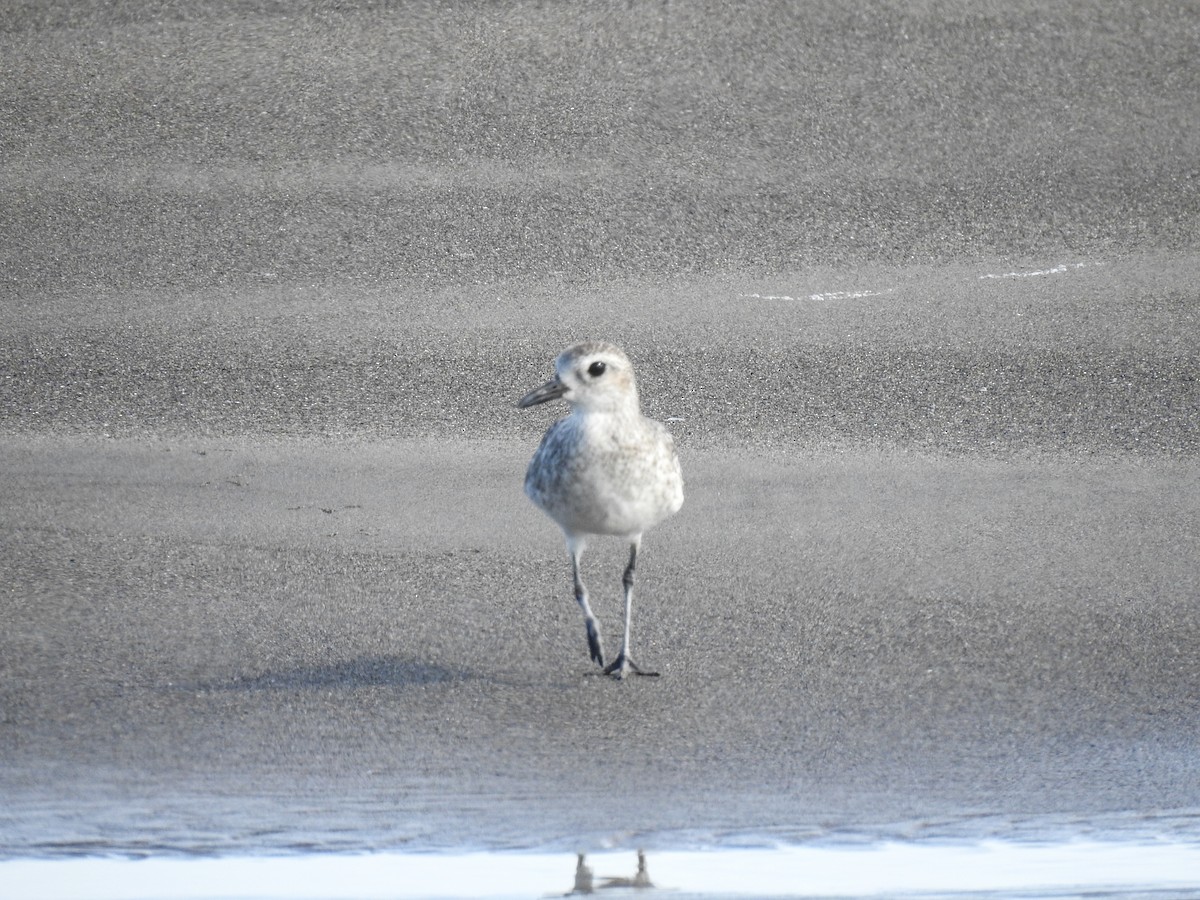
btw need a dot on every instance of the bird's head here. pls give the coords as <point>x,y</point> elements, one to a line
<point>592,376</point>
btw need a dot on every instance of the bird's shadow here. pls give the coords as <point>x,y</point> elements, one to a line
<point>371,671</point>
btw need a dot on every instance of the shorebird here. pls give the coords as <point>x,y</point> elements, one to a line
<point>604,469</point>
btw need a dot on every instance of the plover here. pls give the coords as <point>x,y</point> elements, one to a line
<point>604,469</point>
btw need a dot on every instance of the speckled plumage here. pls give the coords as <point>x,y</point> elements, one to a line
<point>604,469</point>
<point>606,474</point>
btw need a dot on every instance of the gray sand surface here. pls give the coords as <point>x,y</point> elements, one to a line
<point>917,292</point>
<point>856,636</point>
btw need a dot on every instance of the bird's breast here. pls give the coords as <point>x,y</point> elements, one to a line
<point>604,477</point>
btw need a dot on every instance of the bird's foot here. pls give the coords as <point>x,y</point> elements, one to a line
<point>623,665</point>
<point>595,648</point>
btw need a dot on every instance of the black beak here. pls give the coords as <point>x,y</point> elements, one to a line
<point>551,390</point>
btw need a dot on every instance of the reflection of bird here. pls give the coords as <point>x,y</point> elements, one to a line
<point>605,469</point>
<point>583,878</point>
<point>640,880</point>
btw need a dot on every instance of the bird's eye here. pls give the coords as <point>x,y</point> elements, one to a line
<point>596,369</point>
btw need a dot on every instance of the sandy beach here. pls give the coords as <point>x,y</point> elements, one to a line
<point>917,303</point>
<point>353,624</point>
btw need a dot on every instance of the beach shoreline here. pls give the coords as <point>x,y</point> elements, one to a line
<point>916,300</point>
<point>384,632</point>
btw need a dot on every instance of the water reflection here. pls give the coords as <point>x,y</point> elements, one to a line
<point>585,881</point>
<point>640,880</point>
<point>583,877</point>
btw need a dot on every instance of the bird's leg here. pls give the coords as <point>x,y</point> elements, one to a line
<point>595,648</point>
<point>624,664</point>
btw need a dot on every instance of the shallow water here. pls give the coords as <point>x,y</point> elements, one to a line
<point>83,852</point>
<point>991,869</point>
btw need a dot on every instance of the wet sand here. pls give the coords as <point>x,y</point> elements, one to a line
<point>384,632</point>
<point>270,582</point>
